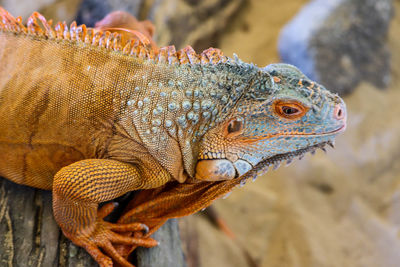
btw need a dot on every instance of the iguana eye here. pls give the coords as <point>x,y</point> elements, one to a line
<point>289,109</point>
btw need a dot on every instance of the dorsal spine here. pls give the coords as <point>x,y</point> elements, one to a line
<point>137,47</point>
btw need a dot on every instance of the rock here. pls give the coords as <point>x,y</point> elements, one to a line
<point>340,42</point>
<point>92,11</point>
<point>57,10</point>
<point>177,22</point>
<point>195,23</point>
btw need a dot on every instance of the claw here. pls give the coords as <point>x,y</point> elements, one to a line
<point>145,229</point>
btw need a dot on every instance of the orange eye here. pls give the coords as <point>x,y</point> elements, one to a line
<point>290,109</point>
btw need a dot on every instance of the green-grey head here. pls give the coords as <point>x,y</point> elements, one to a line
<point>280,115</point>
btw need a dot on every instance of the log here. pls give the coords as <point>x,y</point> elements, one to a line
<point>29,235</point>
<point>168,253</point>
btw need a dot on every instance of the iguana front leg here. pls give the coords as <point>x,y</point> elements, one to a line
<point>77,191</point>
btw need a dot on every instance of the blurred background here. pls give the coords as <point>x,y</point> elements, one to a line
<point>336,209</point>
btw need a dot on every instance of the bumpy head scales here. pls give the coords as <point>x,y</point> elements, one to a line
<point>281,115</point>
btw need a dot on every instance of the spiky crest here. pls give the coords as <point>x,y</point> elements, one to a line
<point>137,47</point>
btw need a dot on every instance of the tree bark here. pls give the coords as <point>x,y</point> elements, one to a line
<point>29,236</point>
<point>167,253</point>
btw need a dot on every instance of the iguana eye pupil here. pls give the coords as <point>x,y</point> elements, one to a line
<point>289,110</point>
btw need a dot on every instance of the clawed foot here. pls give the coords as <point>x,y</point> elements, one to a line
<point>106,234</point>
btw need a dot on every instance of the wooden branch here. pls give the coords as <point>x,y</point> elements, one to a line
<point>168,253</point>
<point>29,236</point>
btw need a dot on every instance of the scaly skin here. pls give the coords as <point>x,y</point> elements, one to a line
<point>92,115</point>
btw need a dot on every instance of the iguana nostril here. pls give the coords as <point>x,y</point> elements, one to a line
<point>339,112</point>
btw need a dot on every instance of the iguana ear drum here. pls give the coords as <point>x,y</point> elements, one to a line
<point>215,170</point>
<point>234,127</point>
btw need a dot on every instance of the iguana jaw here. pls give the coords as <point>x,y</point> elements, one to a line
<point>223,169</point>
<point>262,167</point>
<point>276,160</point>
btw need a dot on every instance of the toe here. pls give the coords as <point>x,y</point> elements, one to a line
<point>128,240</point>
<point>110,250</point>
<point>106,209</point>
<point>98,256</point>
<point>129,227</point>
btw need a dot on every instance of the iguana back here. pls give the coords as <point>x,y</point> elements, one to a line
<point>62,101</point>
<point>50,105</point>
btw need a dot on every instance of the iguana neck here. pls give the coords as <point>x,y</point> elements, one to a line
<point>214,89</point>
<point>176,105</point>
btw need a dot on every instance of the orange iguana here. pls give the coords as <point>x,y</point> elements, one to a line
<point>92,115</point>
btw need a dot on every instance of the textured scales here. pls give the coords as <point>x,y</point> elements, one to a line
<point>92,115</point>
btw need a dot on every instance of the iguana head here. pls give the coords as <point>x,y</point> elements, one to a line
<point>281,115</point>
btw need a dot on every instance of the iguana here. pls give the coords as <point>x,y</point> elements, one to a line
<point>92,115</point>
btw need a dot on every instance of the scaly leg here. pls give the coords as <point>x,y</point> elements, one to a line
<point>77,191</point>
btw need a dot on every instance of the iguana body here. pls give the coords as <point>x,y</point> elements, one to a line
<point>91,116</point>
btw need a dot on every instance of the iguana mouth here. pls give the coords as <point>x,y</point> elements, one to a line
<point>293,134</point>
<point>336,131</point>
<point>262,167</point>
<point>217,169</point>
